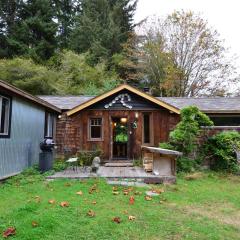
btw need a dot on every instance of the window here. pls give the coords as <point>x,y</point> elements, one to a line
<point>5,105</point>
<point>146,128</point>
<point>95,127</point>
<point>49,125</point>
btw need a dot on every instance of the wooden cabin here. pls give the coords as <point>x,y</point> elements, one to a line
<point>119,121</point>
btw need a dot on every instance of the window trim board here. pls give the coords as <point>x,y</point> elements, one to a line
<point>10,116</point>
<point>89,130</point>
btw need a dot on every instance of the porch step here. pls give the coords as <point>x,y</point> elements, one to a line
<point>118,164</point>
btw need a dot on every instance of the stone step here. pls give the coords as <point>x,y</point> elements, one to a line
<point>118,164</point>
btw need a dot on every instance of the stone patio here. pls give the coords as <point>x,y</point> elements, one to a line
<point>112,173</point>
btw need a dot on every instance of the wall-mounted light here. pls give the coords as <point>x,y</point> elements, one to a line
<point>59,116</point>
<point>136,115</point>
<point>123,120</point>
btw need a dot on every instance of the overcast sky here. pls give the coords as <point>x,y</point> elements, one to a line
<point>222,15</point>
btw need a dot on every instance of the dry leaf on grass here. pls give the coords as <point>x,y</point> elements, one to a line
<point>64,204</point>
<point>34,224</point>
<point>137,193</point>
<point>51,201</point>
<point>125,192</point>
<point>93,189</point>
<point>148,198</point>
<point>67,184</point>
<point>116,219</point>
<point>194,176</point>
<point>37,199</point>
<point>158,190</point>
<point>79,193</point>
<point>91,213</point>
<point>131,200</point>
<point>115,188</point>
<point>131,218</point>
<point>94,202</point>
<point>125,212</point>
<point>115,193</point>
<point>9,232</point>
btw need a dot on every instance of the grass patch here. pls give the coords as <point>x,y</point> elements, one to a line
<point>206,208</point>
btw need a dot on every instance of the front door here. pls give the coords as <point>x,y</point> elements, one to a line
<point>120,138</point>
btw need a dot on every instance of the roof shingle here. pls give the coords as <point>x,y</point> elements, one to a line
<point>206,104</point>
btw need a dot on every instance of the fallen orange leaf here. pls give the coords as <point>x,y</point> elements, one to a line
<point>64,204</point>
<point>34,224</point>
<point>91,213</point>
<point>9,232</point>
<point>131,200</point>
<point>116,219</point>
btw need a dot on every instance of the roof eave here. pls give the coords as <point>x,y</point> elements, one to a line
<point>23,94</point>
<point>117,89</point>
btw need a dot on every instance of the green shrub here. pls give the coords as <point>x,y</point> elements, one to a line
<point>220,151</point>
<point>86,157</point>
<point>59,165</point>
<point>166,145</point>
<point>185,164</point>
<point>184,137</point>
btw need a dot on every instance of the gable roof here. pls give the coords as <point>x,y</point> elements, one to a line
<point>206,104</point>
<point>118,89</point>
<point>20,93</point>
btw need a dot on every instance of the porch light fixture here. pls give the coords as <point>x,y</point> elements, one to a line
<point>123,120</point>
<point>136,115</point>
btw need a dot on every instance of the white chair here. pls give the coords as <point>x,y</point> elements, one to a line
<point>72,162</point>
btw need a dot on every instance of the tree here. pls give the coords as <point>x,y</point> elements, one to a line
<point>101,27</point>
<point>127,63</point>
<point>65,73</point>
<point>185,51</point>
<point>66,11</point>
<point>33,33</point>
<point>29,76</point>
<point>9,16</point>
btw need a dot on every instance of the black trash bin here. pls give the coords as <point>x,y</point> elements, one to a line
<point>46,156</point>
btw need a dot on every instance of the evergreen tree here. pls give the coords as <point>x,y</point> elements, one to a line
<point>66,15</point>
<point>34,31</point>
<point>102,26</point>
<point>9,16</point>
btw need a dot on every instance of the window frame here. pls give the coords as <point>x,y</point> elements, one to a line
<point>46,125</point>
<point>89,129</point>
<point>150,114</point>
<point>9,98</point>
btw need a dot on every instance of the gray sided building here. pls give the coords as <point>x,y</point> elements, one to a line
<point>24,122</point>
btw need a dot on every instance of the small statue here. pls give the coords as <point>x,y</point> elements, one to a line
<point>95,164</point>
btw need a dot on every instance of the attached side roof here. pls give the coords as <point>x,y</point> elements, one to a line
<point>66,102</point>
<point>18,92</point>
<point>206,104</point>
<point>118,89</point>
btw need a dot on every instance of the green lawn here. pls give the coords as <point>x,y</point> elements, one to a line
<point>204,208</point>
